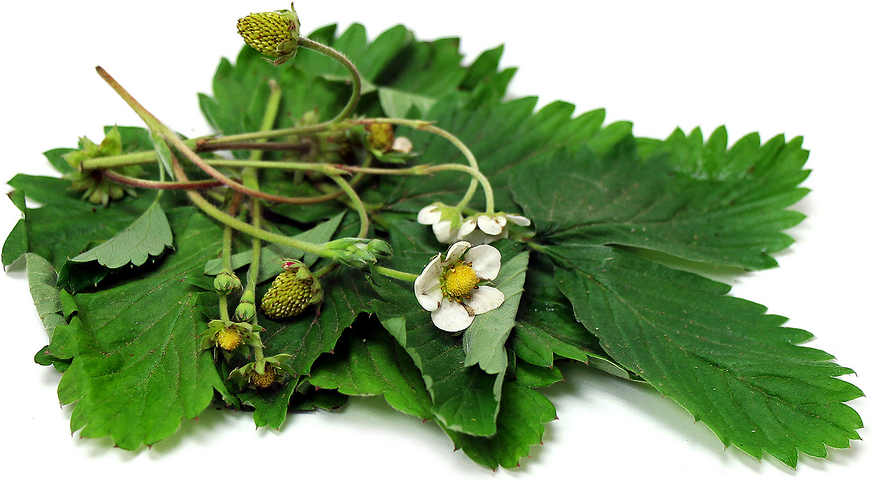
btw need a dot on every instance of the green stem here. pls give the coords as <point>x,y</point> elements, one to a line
<point>243,227</point>
<point>141,183</point>
<point>390,272</point>
<point>357,202</point>
<point>355,75</point>
<point>488,190</point>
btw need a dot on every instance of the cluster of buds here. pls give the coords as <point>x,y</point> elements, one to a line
<point>292,291</point>
<point>97,189</point>
<point>227,282</point>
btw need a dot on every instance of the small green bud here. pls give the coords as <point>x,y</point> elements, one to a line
<point>274,34</point>
<point>358,252</point>
<point>227,282</point>
<point>380,248</point>
<point>245,311</point>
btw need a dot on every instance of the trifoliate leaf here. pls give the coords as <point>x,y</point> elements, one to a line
<point>730,365</point>
<point>368,361</point>
<point>138,369</point>
<point>709,205</point>
<point>147,236</point>
<point>520,424</point>
<point>484,340</point>
<point>464,399</point>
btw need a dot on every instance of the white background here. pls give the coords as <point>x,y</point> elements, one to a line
<point>775,67</point>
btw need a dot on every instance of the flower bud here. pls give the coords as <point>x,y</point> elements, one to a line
<point>274,34</point>
<point>226,283</point>
<point>358,252</point>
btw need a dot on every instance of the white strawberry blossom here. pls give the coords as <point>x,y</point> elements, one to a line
<point>451,288</point>
<point>483,228</point>
<point>444,219</point>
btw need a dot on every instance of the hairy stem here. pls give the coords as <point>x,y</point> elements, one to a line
<point>355,75</point>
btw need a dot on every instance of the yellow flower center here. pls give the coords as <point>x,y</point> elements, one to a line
<point>458,280</point>
<point>229,339</point>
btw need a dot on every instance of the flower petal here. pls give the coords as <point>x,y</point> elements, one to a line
<point>455,252</point>
<point>467,227</point>
<point>451,317</point>
<point>444,233</point>
<point>428,289</point>
<point>429,214</point>
<point>485,299</point>
<point>490,225</point>
<point>485,261</point>
<point>519,220</point>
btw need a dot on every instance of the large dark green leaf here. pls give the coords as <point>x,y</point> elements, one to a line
<point>695,201</point>
<point>728,363</point>
<point>138,368</point>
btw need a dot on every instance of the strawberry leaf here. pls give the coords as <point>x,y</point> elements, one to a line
<point>730,365</point>
<point>138,368</point>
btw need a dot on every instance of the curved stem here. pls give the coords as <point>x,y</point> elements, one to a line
<point>355,75</point>
<point>488,190</point>
<point>356,201</point>
<point>428,127</point>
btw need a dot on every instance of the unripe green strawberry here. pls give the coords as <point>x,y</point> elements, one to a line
<point>291,292</point>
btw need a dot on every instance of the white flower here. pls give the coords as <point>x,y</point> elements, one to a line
<point>483,228</point>
<point>444,219</point>
<point>450,289</point>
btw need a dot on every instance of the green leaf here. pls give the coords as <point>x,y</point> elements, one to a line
<point>138,368</point>
<point>730,365</point>
<point>546,326</point>
<point>728,208</point>
<point>270,406</point>
<point>147,236</point>
<point>64,226</point>
<point>15,244</point>
<point>56,158</point>
<point>164,155</point>
<point>396,103</point>
<point>484,340</point>
<point>521,424</point>
<point>368,361</point>
<point>272,254</point>
<point>464,399</point>
<point>42,278</point>
<point>501,137</point>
